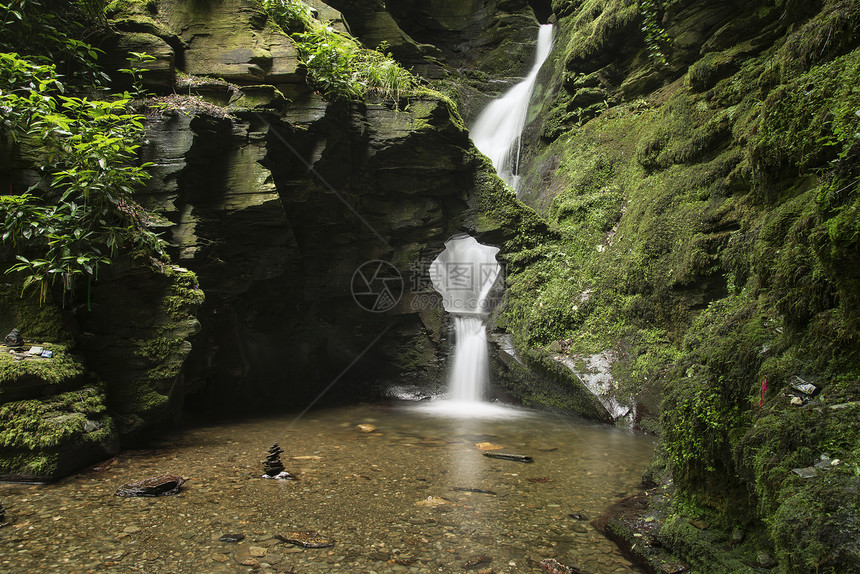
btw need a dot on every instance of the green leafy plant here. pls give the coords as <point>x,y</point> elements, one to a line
<point>656,38</point>
<point>338,67</point>
<point>136,70</point>
<point>291,16</point>
<point>81,211</point>
<point>55,32</point>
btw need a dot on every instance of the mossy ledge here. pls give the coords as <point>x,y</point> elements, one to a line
<point>60,414</point>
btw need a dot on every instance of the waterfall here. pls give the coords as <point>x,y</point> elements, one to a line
<point>497,130</point>
<point>463,274</point>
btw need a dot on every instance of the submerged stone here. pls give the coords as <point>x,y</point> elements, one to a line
<point>553,566</point>
<point>164,485</point>
<point>475,561</point>
<point>307,539</point>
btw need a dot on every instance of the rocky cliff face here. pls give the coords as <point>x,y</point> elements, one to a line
<point>275,198</point>
<point>272,200</point>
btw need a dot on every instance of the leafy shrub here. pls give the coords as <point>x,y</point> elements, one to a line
<point>81,211</point>
<point>338,67</point>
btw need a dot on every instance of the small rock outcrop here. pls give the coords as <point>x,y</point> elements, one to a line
<point>14,339</point>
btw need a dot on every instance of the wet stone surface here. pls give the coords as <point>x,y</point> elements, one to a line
<point>404,498</point>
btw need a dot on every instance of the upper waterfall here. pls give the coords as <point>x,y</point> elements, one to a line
<point>496,132</point>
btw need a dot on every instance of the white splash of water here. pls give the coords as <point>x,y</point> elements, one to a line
<point>464,274</point>
<point>471,366</point>
<point>497,130</point>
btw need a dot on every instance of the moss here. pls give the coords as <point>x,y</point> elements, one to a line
<point>43,423</point>
<point>713,67</point>
<point>37,322</point>
<point>62,368</point>
<point>135,7</point>
<point>163,353</point>
<point>29,464</point>
<point>817,526</point>
<point>185,295</point>
<point>706,549</point>
<point>710,236</point>
<point>807,122</point>
<point>594,23</point>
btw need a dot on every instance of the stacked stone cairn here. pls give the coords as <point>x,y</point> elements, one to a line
<point>273,467</point>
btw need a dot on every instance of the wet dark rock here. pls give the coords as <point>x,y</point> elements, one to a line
<point>232,538</point>
<point>578,516</point>
<point>273,466</point>
<point>475,490</point>
<point>634,523</point>
<point>14,339</point>
<point>164,485</point>
<point>307,539</point>
<point>474,562</point>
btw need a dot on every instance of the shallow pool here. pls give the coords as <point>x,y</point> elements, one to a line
<point>409,491</point>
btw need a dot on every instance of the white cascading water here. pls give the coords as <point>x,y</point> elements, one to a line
<point>497,130</point>
<point>464,274</point>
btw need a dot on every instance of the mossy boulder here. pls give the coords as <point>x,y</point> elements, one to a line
<point>53,415</point>
<point>231,40</point>
<point>48,438</point>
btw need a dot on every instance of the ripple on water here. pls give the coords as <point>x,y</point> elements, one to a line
<point>413,495</point>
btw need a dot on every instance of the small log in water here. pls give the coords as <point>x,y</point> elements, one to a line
<point>516,457</point>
